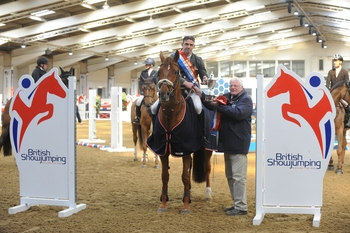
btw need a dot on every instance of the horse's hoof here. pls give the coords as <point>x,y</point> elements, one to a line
<point>208,199</point>
<point>136,160</point>
<point>330,167</point>
<point>156,166</point>
<point>143,166</point>
<point>162,210</point>
<point>339,171</point>
<point>185,211</point>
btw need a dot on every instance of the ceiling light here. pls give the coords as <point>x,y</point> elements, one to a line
<point>43,12</point>
<point>105,6</point>
<point>324,46</point>
<point>93,1</point>
<point>130,20</point>
<point>70,53</point>
<point>106,58</point>
<point>283,31</point>
<point>86,5</point>
<point>318,39</point>
<point>33,17</point>
<point>262,13</point>
<point>135,63</point>
<point>256,8</point>
<point>296,13</point>
<point>306,24</point>
<point>23,46</point>
<point>2,24</point>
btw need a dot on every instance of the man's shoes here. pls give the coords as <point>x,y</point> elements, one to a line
<point>136,120</point>
<point>229,209</point>
<point>236,212</point>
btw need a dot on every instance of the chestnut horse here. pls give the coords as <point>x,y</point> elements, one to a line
<point>177,132</point>
<point>5,142</point>
<point>340,90</point>
<point>142,131</point>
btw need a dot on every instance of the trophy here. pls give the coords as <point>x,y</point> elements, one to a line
<point>211,84</point>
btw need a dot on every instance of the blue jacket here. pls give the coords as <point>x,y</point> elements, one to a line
<point>235,131</point>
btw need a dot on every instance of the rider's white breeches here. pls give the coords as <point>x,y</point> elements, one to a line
<point>139,100</point>
<point>196,102</point>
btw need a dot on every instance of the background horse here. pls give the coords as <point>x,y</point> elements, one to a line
<point>177,131</point>
<point>5,142</point>
<point>142,131</point>
<point>340,91</point>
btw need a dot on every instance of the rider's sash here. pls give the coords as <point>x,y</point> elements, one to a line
<point>188,68</point>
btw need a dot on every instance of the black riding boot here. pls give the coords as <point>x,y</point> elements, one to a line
<point>138,114</point>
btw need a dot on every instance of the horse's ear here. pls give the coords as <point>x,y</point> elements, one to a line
<point>62,71</point>
<point>161,55</point>
<point>176,57</point>
<point>71,71</point>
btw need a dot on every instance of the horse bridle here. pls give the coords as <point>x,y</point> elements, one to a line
<point>170,84</point>
<point>171,87</point>
<point>147,95</point>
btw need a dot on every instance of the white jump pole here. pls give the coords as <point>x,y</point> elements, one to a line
<point>116,122</point>
<point>92,120</point>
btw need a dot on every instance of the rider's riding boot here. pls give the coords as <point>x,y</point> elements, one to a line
<point>137,117</point>
<point>347,125</point>
<point>347,117</point>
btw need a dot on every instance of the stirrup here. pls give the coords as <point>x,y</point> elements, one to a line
<point>136,121</point>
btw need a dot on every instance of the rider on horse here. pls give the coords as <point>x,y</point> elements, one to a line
<point>338,74</point>
<point>40,69</point>
<point>191,66</point>
<point>149,74</point>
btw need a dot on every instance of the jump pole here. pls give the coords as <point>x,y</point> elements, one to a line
<point>116,122</point>
<point>92,120</point>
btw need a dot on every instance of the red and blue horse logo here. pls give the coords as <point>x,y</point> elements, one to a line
<point>310,102</point>
<point>31,100</point>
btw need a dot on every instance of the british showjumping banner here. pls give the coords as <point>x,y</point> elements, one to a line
<point>42,131</point>
<point>295,137</point>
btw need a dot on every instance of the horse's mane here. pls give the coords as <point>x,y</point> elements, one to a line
<point>339,84</point>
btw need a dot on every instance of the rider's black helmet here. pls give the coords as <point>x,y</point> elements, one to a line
<point>42,60</point>
<point>149,61</point>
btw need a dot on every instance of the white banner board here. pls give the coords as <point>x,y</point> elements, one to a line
<point>296,136</point>
<point>42,133</point>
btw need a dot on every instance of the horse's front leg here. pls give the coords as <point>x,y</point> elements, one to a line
<point>165,179</point>
<point>186,180</point>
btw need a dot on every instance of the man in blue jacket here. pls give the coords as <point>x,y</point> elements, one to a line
<point>234,140</point>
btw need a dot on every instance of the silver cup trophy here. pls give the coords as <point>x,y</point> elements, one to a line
<point>211,84</point>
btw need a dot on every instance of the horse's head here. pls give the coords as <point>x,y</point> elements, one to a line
<point>65,74</point>
<point>169,77</point>
<point>149,92</point>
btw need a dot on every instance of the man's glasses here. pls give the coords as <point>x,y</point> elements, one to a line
<point>235,86</point>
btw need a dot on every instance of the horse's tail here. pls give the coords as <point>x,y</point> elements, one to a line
<point>199,173</point>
